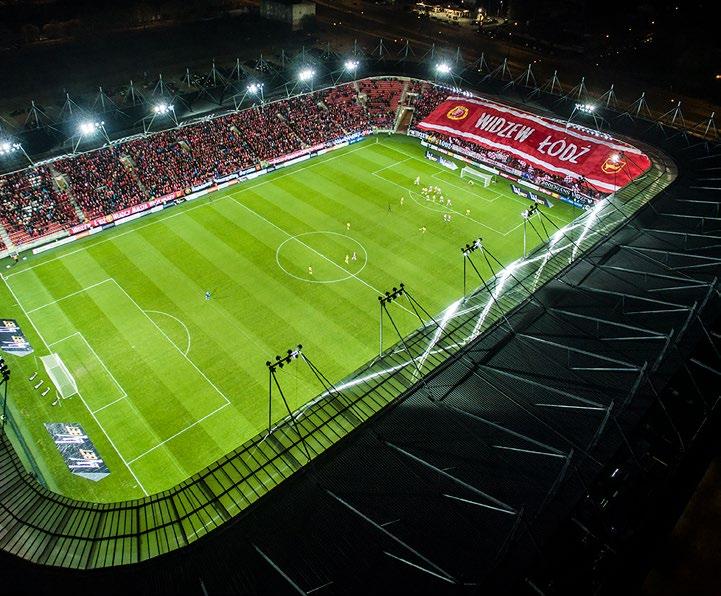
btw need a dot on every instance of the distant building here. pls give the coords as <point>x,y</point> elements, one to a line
<point>290,12</point>
<point>454,13</point>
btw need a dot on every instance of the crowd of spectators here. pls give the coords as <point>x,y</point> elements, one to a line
<point>382,97</point>
<point>117,177</point>
<point>100,182</point>
<point>424,97</point>
<point>345,109</point>
<point>30,206</point>
<point>310,120</point>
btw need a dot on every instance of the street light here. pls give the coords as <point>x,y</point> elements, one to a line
<point>526,215</point>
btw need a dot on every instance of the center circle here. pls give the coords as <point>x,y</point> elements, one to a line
<point>319,257</point>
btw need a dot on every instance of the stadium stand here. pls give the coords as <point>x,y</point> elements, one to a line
<point>342,103</point>
<point>30,206</point>
<point>174,161</point>
<point>100,182</point>
<point>382,98</point>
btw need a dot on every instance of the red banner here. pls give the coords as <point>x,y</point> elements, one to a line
<point>549,145</point>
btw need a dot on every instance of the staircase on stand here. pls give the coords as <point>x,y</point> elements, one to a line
<point>130,167</point>
<point>63,186</point>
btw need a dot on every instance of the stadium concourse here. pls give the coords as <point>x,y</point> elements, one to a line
<point>49,199</point>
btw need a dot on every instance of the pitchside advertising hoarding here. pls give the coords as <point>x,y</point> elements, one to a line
<point>605,163</point>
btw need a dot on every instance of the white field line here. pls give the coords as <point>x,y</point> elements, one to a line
<point>443,208</point>
<point>477,195</point>
<point>147,316</point>
<point>95,285</point>
<point>518,200</point>
<point>107,436</point>
<point>187,331</point>
<point>321,255</point>
<point>180,432</point>
<point>102,363</point>
<point>183,209</point>
<point>115,401</point>
<point>393,165</point>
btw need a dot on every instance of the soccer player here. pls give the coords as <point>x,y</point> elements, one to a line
<point>310,270</point>
<point>354,257</point>
<point>347,226</point>
<point>207,295</point>
<point>448,202</point>
<point>422,229</point>
<point>403,199</point>
<point>417,181</point>
<point>347,258</point>
<point>468,212</point>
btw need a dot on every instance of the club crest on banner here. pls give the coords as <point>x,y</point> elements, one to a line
<point>457,113</point>
<point>613,164</point>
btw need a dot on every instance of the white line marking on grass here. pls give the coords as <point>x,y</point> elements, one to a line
<point>107,436</point>
<point>95,285</point>
<point>321,255</point>
<point>180,432</point>
<point>187,331</point>
<point>183,209</point>
<point>99,359</point>
<point>394,164</point>
<point>147,316</point>
<point>115,401</point>
<point>318,281</point>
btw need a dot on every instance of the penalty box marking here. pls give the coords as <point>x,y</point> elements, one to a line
<point>102,363</point>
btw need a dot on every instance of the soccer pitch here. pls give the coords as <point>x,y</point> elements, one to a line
<point>168,381</point>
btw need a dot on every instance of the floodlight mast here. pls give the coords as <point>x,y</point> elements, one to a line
<point>88,128</point>
<point>10,147</point>
<point>443,69</point>
<point>159,110</point>
<point>306,75</point>
<point>257,89</point>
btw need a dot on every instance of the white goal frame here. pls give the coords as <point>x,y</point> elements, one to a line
<point>59,375</point>
<point>473,174</point>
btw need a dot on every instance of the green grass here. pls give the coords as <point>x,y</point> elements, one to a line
<point>169,382</point>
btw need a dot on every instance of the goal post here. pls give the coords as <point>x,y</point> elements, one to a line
<point>473,175</point>
<point>59,375</point>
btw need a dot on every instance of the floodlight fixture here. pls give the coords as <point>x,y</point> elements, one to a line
<point>306,75</point>
<point>6,147</point>
<point>586,108</point>
<point>351,65</point>
<point>255,88</point>
<point>443,68</point>
<point>163,108</point>
<point>88,128</point>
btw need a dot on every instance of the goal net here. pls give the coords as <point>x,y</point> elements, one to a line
<point>474,176</point>
<point>59,375</point>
